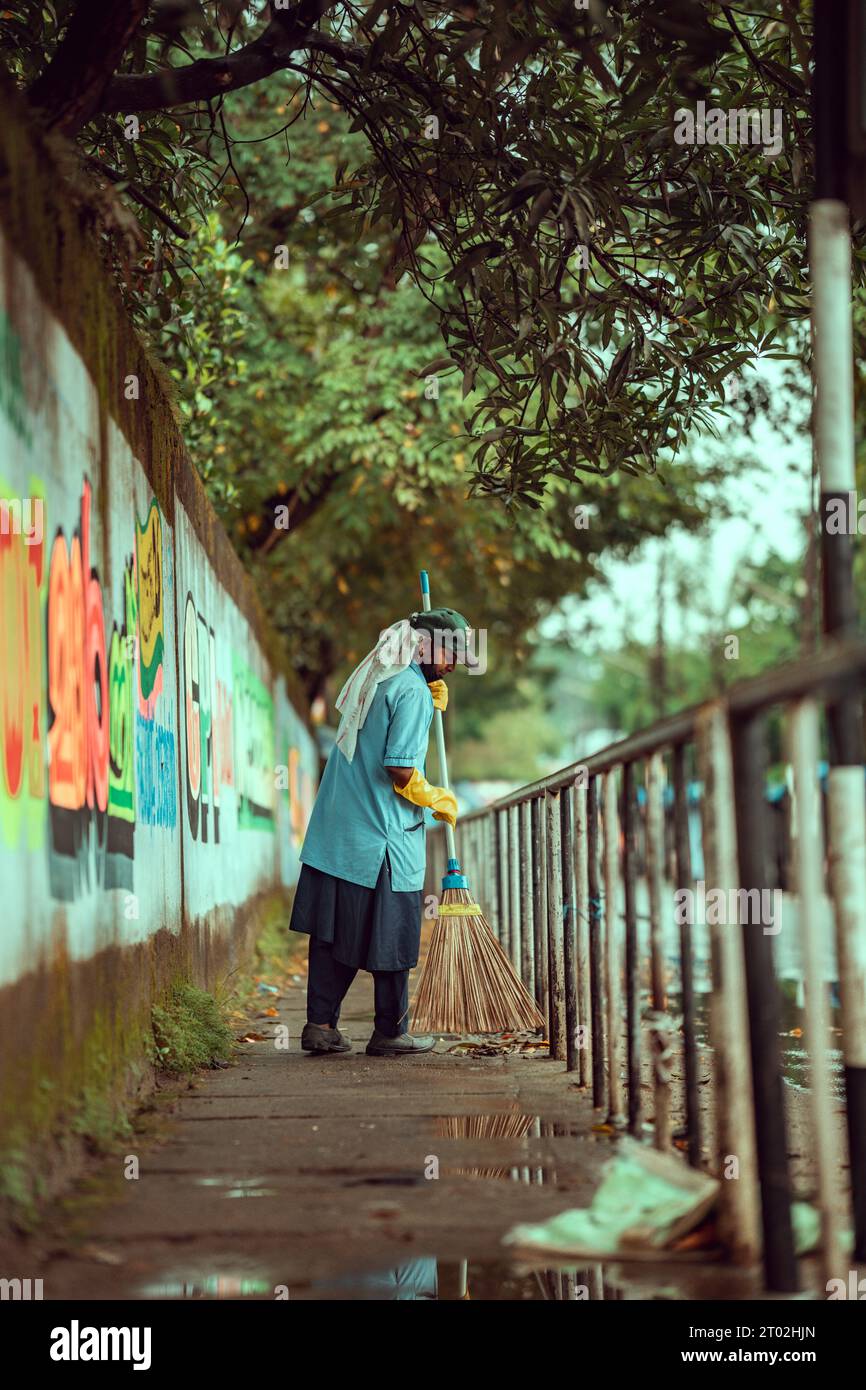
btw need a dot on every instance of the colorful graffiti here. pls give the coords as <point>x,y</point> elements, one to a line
<point>151,618</point>
<point>121,713</point>
<point>155,763</point>
<point>254,749</point>
<point>300,792</point>
<point>87,724</point>
<point>92,804</point>
<point>155,743</point>
<point>77,675</point>
<point>22,769</point>
<point>208,717</point>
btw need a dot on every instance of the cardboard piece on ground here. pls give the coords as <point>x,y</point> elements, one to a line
<point>645,1201</point>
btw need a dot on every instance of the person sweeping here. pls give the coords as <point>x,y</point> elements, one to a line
<point>363,859</point>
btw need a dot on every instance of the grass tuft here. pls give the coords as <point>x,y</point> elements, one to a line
<point>189,1031</point>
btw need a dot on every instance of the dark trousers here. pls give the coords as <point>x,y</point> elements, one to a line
<point>328,984</point>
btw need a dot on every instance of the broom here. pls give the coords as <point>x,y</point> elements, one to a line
<point>467,984</point>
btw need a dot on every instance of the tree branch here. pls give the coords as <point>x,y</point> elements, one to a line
<point>288,31</point>
<point>68,93</point>
<point>135,192</point>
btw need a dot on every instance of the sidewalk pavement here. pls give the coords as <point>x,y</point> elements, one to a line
<point>288,1170</point>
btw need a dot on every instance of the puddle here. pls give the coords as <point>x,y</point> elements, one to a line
<point>506,1124</point>
<point>425,1278</point>
<point>238,1187</point>
<point>387,1180</point>
<point>793,1039</point>
<point>429,1279</point>
<point>207,1286</point>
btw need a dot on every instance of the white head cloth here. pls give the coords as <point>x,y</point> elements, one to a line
<point>396,648</point>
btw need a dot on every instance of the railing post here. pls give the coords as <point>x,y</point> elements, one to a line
<point>581,865</point>
<point>662,1032</point>
<point>613,986</point>
<point>569,927</point>
<point>527,925</point>
<point>596,945</point>
<point>846,845</point>
<point>809,885</point>
<point>632,955</point>
<point>749,752</point>
<point>539,903</point>
<point>739,1220</point>
<point>502,879</point>
<point>514,883</point>
<point>835,451</point>
<point>488,869</point>
<point>687,979</point>
<point>556,1033</point>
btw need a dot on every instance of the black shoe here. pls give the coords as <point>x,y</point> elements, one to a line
<point>316,1038</point>
<point>403,1046</point>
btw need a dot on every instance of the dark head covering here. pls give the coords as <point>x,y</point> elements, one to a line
<point>449,634</point>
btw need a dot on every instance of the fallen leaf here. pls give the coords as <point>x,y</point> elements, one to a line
<point>705,1235</point>
<point>102,1256</point>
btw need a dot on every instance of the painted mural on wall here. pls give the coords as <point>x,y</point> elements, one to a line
<point>155,743</point>
<point>87,679</point>
<point>209,724</point>
<point>257,771</point>
<point>136,709</point>
<point>22,602</point>
<point>78,750</point>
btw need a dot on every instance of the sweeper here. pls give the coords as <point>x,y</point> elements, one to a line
<point>359,894</point>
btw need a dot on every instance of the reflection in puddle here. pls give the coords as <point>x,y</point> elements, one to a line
<point>793,1039</point>
<point>505,1125</point>
<point>214,1286</point>
<point>238,1187</point>
<point>423,1279</point>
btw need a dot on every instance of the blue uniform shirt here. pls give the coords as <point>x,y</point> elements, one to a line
<point>357,816</point>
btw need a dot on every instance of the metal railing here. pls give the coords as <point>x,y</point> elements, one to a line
<point>566,867</point>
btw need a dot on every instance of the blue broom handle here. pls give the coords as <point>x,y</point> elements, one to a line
<point>439,729</point>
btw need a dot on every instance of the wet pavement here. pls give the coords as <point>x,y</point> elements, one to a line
<point>296,1176</point>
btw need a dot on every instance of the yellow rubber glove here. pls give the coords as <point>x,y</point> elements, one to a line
<point>420,792</point>
<point>439,691</point>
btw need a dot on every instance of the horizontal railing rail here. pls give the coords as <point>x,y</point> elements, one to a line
<point>833,672</point>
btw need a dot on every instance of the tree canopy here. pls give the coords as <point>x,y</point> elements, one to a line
<point>597,281</point>
<point>410,262</point>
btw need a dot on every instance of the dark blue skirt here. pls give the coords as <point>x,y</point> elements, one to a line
<point>369,928</point>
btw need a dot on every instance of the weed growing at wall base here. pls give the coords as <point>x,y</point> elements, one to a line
<point>189,1031</point>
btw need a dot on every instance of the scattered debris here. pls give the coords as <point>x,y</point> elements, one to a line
<point>503,1045</point>
<point>101,1255</point>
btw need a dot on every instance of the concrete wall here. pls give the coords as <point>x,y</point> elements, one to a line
<point>156,773</point>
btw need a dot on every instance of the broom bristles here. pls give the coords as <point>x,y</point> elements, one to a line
<point>468,984</point>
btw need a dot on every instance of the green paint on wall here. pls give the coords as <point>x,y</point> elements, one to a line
<point>253,748</point>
